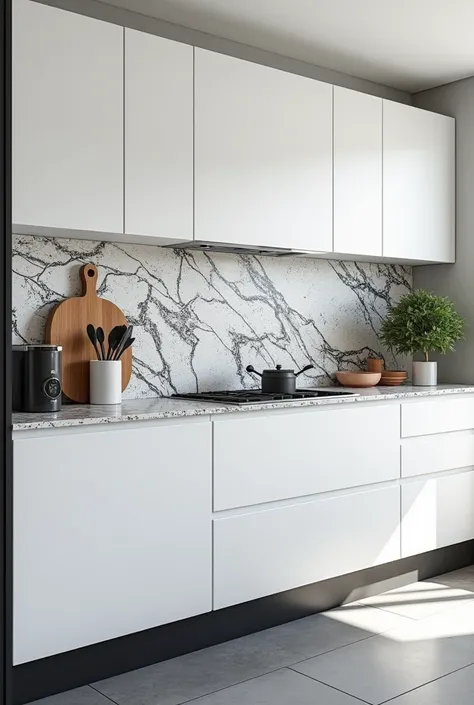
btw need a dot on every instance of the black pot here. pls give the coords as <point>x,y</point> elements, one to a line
<point>278,381</point>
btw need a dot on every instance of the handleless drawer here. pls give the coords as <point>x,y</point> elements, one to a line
<point>439,416</point>
<point>269,551</point>
<point>446,451</point>
<point>281,456</point>
<point>437,512</point>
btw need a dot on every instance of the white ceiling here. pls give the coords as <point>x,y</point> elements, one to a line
<point>407,44</point>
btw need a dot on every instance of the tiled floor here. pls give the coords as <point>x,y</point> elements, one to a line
<point>410,646</point>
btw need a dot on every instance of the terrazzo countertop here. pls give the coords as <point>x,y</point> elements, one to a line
<point>165,408</point>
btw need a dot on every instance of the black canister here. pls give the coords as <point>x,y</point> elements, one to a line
<point>37,378</point>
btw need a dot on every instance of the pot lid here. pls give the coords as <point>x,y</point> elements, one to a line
<point>278,371</point>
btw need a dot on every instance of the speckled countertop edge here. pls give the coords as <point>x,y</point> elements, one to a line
<point>165,408</point>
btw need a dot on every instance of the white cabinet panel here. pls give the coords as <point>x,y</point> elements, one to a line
<point>437,512</point>
<point>418,183</point>
<point>440,416</point>
<point>291,455</point>
<point>266,552</point>
<point>67,120</point>
<point>357,173</point>
<point>112,534</point>
<point>263,155</point>
<point>427,454</point>
<point>158,137</point>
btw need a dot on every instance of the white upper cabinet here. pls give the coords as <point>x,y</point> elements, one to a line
<point>127,136</point>
<point>357,173</point>
<point>263,155</point>
<point>158,137</point>
<point>418,184</point>
<point>67,120</point>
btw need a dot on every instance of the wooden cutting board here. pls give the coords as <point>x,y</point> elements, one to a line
<point>67,326</point>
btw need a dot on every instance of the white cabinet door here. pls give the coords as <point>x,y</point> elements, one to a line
<point>437,512</point>
<point>262,553</point>
<point>67,120</point>
<point>158,137</point>
<point>420,418</point>
<point>357,173</point>
<point>418,184</point>
<point>112,534</point>
<point>280,456</point>
<point>263,155</point>
<point>429,454</point>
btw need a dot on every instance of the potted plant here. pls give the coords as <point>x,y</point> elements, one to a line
<point>422,323</point>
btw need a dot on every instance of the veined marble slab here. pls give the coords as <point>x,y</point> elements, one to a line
<point>200,318</point>
<point>162,408</point>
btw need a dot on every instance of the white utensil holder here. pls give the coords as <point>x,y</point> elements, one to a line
<point>105,381</point>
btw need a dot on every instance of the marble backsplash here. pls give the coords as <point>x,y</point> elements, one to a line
<point>200,318</point>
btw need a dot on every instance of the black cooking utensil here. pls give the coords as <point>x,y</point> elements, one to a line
<point>305,369</point>
<point>100,340</point>
<point>129,342</point>
<point>126,336</point>
<point>93,338</point>
<point>114,338</point>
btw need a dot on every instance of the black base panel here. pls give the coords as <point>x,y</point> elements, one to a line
<point>72,669</point>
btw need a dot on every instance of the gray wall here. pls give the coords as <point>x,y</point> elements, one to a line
<point>126,18</point>
<point>456,280</point>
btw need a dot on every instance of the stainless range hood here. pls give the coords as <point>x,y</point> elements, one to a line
<point>237,249</point>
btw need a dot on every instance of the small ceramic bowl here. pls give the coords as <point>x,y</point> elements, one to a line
<point>358,379</point>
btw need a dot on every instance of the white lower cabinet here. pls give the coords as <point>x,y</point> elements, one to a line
<point>437,512</point>
<point>422,418</point>
<point>112,534</point>
<point>302,452</point>
<point>269,551</point>
<point>436,453</point>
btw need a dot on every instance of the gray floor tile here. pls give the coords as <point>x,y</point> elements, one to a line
<point>331,630</point>
<point>199,673</point>
<point>203,672</point>
<point>462,578</point>
<point>455,689</point>
<point>420,600</point>
<point>79,696</point>
<point>389,665</point>
<point>282,687</point>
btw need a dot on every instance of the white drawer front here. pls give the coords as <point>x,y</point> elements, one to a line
<point>266,552</point>
<point>447,451</point>
<point>276,457</point>
<point>437,512</point>
<point>440,416</point>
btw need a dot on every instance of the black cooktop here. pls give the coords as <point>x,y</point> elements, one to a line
<point>255,396</point>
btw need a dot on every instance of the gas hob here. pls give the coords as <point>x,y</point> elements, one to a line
<point>255,396</point>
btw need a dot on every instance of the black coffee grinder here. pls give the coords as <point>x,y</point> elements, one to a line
<point>36,378</point>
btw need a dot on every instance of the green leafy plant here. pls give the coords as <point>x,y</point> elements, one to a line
<point>422,322</point>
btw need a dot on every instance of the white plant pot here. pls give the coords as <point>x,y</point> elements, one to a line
<point>425,374</point>
<point>105,381</point>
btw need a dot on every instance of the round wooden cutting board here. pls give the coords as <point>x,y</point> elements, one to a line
<point>67,326</point>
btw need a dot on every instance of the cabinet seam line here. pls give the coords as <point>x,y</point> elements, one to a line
<point>194,143</point>
<point>123,132</point>
<point>381,167</point>
<point>332,169</point>
<point>212,516</point>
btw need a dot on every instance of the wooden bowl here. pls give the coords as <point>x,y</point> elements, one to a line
<point>393,378</point>
<point>358,379</point>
